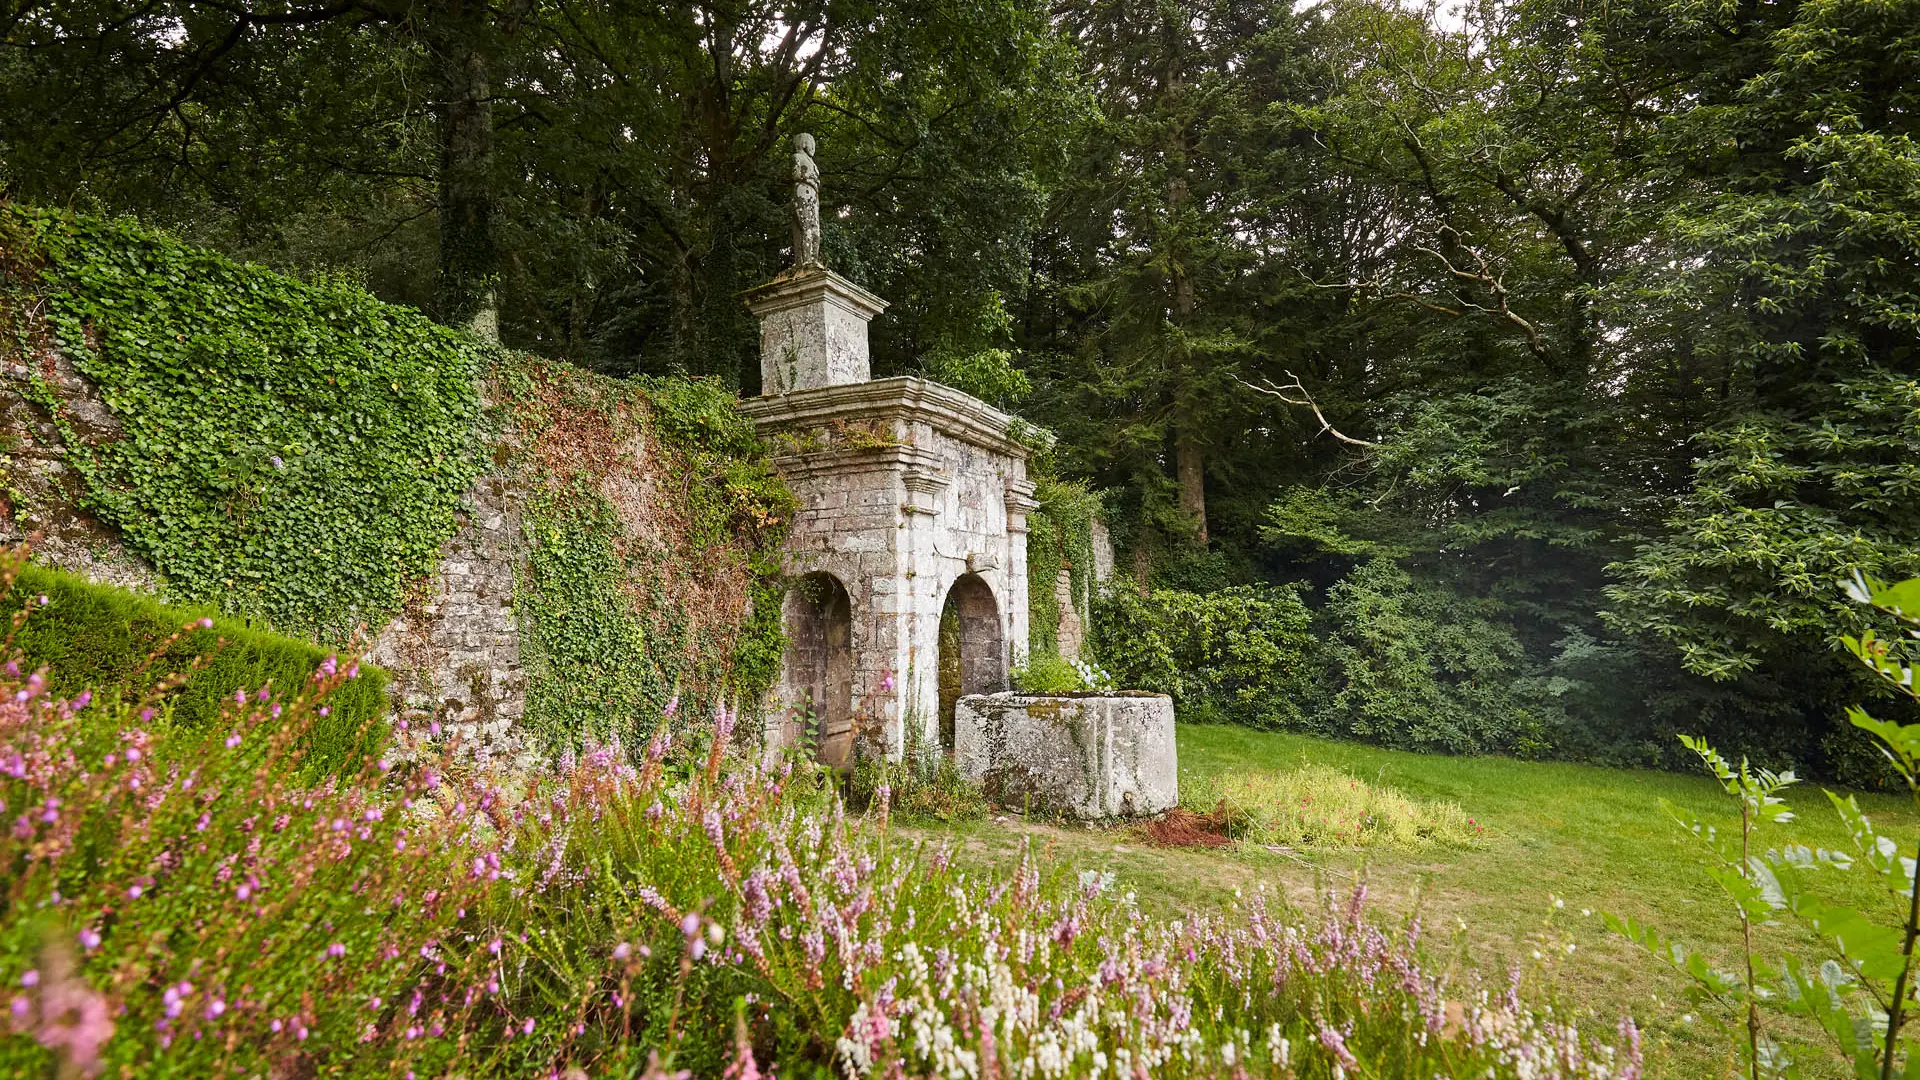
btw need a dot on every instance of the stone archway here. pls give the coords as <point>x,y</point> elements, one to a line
<point>816,683</point>
<point>973,648</point>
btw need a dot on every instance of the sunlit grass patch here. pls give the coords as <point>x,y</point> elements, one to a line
<point>1314,805</point>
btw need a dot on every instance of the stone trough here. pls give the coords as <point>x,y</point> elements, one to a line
<point>1089,755</point>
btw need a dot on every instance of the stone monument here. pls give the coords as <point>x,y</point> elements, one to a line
<point>913,500</point>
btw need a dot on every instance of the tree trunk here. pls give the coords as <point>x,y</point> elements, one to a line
<point>1190,464</point>
<point>469,252</point>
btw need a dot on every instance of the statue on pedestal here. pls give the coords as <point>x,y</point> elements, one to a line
<point>806,204</point>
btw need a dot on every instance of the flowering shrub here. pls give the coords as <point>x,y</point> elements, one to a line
<point>179,903</point>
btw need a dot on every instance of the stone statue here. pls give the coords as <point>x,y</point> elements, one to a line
<point>806,204</point>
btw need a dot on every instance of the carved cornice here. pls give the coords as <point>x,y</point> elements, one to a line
<point>809,284</point>
<point>900,458</point>
<point>948,411</point>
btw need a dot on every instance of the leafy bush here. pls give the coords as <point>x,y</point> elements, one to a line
<point>179,903</point>
<point>1420,668</point>
<point>1046,673</point>
<point>1241,653</point>
<point>118,644</point>
<point>1320,806</point>
<point>293,450</point>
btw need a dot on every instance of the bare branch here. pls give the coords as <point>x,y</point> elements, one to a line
<point>1287,394</point>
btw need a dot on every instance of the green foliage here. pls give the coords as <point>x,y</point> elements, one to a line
<point>653,523</point>
<point>1416,667</point>
<point>119,644</point>
<point>1798,285</point>
<point>1240,654</point>
<point>1864,996</point>
<point>1314,805</point>
<point>1045,673</point>
<point>920,787</point>
<point>1059,537</point>
<point>287,450</point>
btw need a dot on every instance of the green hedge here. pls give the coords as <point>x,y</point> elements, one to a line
<point>1240,654</point>
<point>96,637</point>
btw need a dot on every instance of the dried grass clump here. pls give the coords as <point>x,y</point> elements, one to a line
<point>1320,806</point>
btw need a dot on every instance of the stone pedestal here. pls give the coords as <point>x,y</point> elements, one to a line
<point>813,330</point>
<point>1090,756</point>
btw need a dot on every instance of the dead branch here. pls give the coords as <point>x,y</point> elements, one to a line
<point>1287,394</point>
<point>1496,289</point>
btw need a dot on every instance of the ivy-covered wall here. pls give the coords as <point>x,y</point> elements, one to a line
<point>543,556</point>
<point>1060,538</point>
<point>288,450</point>
<point>653,519</point>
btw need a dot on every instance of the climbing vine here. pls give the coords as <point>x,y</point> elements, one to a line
<point>1060,537</point>
<point>289,450</point>
<point>653,522</point>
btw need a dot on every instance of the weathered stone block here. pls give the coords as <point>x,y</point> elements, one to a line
<point>1086,755</point>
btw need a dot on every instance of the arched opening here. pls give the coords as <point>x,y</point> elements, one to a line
<point>973,650</point>
<point>817,677</point>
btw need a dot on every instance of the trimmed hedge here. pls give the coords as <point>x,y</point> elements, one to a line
<point>96,637</point>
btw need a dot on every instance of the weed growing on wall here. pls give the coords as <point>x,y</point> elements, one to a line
<point>653,522</point>
<point>1060,536</point>
<point>291,450</point>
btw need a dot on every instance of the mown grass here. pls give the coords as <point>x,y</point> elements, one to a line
<point>1592,839</point>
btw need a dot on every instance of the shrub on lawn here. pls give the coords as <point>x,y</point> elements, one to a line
<point>1239,654</point>
<point>119,643</point>
<point>1413,666</point>
<point>180,903</point>
<point>1321,806</point>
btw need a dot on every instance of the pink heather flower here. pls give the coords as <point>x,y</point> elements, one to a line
<point>19,1007</point>
<point>75,1022</point>
<point>133,754</point>
<point>673,707</point>
<point>134,891</point>
<point>206,624</point>
<point>243,892</point>
<point>30,978</point>
<point>886,683</point>
<point>90,938</point>
<point>526,1028</point>
<point>622,951</point>
<point>85,697</point>
<point>233,740</point>
<point>239,697</point>
<point>336,950</point>
<point>43,600</point>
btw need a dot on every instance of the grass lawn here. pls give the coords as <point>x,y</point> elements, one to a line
<point>1594,838</point>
